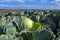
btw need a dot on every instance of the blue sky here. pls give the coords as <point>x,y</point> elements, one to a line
<point>29,4</point>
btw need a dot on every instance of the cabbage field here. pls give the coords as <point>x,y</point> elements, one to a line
<point>29,24</point>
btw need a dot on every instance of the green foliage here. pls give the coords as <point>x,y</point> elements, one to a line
<point>26,23</point>
<point>10,29</point>
<point>3,21</point>
<point>43,35</point>
<point>36,25</point>
<point>59,23</point>
<point>5,37</point>
<point>30,25</point>
<point>27,35</point>
<point>9,37</point>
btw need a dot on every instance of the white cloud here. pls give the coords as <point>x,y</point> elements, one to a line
<point>6,5</point>
<point>43,0</point>
<point>30,0</point>
<point>52,2</point>
<point>57,2</point>
<point>22,1</point>
<point>11,0</point>
<point>3,5</point>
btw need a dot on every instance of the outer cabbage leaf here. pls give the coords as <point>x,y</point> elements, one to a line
<point>10,30</point>
<point>44,34</point>
<point>5,37</point>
